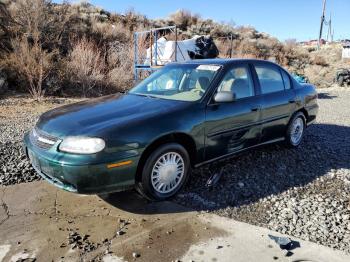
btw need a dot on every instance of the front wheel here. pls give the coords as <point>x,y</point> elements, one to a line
<point>166,170</point>
<point>295,130</point>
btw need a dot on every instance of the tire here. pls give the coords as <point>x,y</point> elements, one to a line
<point>168,165</point>
<point>295,130</point>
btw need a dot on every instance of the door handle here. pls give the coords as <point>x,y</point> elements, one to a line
<point>255,108</point>
<point>292,101</point>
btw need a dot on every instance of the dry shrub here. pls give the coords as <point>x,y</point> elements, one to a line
<point>295,58</point>
<point>225,47</point>
<point>104,63</point>
<point>85,66</point>
<point>324,64</point>
<point>184,18</point>
<point>319,60</point>
<point>320,76</point>
<point>106,32</point>
<point>251,48</point>
<point>32,63</point>
<point>96,72</point>
<point>120,64</point>
<point>27,62</point>
<point>5,34</point>
<point>33,30</point>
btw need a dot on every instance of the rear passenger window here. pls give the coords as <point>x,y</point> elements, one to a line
<point>238,81</point>
<point>286,80</point>
<point>270,79</point>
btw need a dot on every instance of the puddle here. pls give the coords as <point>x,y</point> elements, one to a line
<point>169,241</point>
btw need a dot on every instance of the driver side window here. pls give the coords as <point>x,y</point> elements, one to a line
<point>238,81</point>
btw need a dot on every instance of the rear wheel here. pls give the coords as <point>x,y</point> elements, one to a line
<point>166,170</point>
<point>295,130</point>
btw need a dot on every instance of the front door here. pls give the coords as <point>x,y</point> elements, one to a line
<point>232,126</point>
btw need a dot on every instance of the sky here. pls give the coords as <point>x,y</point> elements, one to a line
<point>284,19</point>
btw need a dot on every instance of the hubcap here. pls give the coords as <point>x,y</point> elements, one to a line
<point>167,172</point>
<point>297,131</point>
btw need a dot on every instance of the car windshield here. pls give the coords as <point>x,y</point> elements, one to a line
<point>185,82</point>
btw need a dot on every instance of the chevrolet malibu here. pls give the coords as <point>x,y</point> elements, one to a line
<point>179,118</point>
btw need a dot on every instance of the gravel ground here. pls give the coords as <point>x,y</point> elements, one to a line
<point>18,115</point>
<point>302,192</point>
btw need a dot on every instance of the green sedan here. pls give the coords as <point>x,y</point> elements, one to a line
<point>182,116</point>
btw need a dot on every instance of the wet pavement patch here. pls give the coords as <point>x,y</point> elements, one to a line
<point>74,227</point>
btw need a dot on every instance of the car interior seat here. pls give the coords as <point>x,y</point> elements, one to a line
<point>240,87</point>
<point>202,83</point>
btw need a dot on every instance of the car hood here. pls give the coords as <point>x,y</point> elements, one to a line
<point>85,117</point>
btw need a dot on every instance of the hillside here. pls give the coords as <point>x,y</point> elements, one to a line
<point>80,49</point>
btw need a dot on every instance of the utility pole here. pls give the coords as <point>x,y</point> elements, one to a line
<point>322,22</point>
<point>330,32</point>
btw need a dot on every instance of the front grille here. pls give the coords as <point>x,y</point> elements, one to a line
<point>42,139</point>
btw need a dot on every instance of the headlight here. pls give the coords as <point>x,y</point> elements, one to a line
<point>82,145</point>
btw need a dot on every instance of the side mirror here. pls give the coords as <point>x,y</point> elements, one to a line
<point>224,97</point>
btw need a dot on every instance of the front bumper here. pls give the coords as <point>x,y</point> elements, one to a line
<point>94,178</point>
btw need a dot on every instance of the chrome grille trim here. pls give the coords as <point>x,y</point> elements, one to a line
<point>42,139</point>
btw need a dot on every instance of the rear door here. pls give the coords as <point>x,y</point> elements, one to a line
<point>278,100</point>
<point>232,126</point>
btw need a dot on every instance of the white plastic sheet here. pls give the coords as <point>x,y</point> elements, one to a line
<point>166,51</point>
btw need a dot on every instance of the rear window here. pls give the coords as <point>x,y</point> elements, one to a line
<point>270,79</point>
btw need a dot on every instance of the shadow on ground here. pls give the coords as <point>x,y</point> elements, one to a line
<point>254,175</point>
<point>325,96</point>
<point>133,202</point>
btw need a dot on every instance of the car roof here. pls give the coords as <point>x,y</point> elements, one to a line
<point>223,61</point>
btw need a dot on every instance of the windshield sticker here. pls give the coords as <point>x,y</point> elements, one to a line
<point>208,67</point>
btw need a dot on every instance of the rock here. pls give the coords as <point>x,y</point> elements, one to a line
<point>135,255</point>
<point>120,232</point>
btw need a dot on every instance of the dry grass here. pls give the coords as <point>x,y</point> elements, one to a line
<point>85,66</point>
<point>120,67</point>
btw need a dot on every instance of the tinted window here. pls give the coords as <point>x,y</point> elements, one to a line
<point>238,81</point>
<point>270,79</point>
<point>286,80</point>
